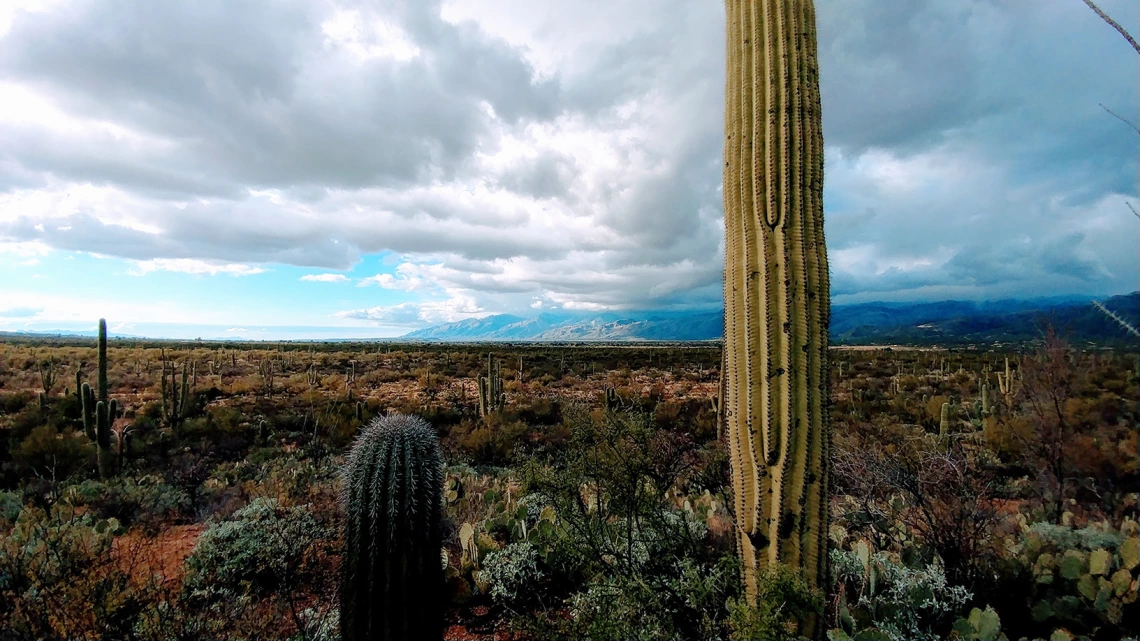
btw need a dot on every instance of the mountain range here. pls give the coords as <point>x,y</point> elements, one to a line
<point>943,322</point>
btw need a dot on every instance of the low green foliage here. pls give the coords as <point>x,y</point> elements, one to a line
<point>783,600</point>
<point>876,590</point>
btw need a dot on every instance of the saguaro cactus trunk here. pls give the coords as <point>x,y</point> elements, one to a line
<point>777,300</point>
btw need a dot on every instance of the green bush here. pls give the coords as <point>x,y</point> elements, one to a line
<point>145,500</point>
<point>53,455</point>
<point>618,552</point>
<point>512,573</point>
<point>783,601</point>
<point>264,549</point>
<point>879,591</point>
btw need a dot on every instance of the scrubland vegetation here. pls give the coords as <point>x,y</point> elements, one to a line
<point>585,492</point>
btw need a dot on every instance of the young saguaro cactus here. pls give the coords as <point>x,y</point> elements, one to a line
<point>391,587</point>
<point>776,291</point>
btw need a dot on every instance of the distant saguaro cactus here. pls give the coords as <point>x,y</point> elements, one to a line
<point>391,587</point>
<point>776,291</point>
<point>99,410</point>
<point>492,398</point>
<point>104,388</point>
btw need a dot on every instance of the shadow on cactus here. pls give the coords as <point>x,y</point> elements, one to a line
<point>392,582</point>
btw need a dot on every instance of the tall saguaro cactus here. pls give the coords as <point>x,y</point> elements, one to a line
<point>391,588</point>
<point>777,299</point>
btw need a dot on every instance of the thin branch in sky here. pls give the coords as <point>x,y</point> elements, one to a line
<point>1119,117</point>
<point>1115,25</point>
<point>1132,208</point>
<point>1123,323</point>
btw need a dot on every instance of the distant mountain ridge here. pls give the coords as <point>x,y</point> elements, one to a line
<point>946,322</point>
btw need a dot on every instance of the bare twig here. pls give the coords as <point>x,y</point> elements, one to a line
<point>1120,118</point>
<point>1114,24</point>
<point>1132,208</point>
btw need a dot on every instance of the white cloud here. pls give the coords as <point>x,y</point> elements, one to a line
<point>325,278</point>
<point>388,281</point>
<point>192,266</point>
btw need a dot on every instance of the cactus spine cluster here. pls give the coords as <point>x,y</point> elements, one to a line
<point>392,579</point>
<point>777,296</point>
<point>492,398</point>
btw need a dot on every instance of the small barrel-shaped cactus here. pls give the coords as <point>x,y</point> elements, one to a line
<point>391,587</point>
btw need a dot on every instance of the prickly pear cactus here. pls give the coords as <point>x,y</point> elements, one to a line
<point>1081,578</point>
<point>392,585</point>
<point>776,290</point>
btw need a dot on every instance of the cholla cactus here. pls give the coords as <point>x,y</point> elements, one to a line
<point>392,580</point>
<point>777,296</point>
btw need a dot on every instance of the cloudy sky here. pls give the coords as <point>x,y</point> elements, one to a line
<point>350,168</point>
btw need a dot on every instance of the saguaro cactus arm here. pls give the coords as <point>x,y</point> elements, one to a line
<point>777,300</point>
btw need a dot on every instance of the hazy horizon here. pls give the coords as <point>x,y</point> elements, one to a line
<point>324,166</point>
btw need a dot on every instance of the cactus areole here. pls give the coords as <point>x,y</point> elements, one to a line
<point>777,299</point>
<point>392,583</point>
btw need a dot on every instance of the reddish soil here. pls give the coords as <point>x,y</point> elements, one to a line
<point>160,556</point>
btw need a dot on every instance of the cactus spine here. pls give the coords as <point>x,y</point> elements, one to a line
<point>392,579</point>
<point>777,296</point>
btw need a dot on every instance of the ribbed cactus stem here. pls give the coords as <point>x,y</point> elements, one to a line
<point>104,415</point>
<point>944,424</point>
<point>87,398</point>
<point>104,391</point>
<point>611,397</point>
<point>392,579</point>
<point>492,398</point>
<point>777,296</point>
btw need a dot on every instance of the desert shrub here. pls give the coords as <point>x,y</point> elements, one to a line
<point>512,573</point>
<point>145,500</point>
<point>619,553</point>
<point>783,601</point>
<point>10,506</point>
<point>59,579</point>
<point>263,548</point>
<point>15,402</point>
<point>614,607</point>
<point>488,441</point>
<point>52,455</point>
<point>265,551</point>
<point>877,590</point>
